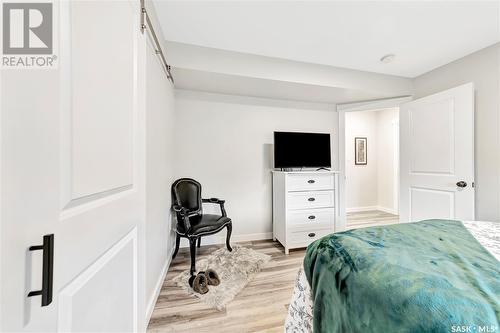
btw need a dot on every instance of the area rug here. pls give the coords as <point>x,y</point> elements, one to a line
<point>235,270</point>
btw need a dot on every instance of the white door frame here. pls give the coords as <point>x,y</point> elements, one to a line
<point>385,103</point>
<point>395,138</point>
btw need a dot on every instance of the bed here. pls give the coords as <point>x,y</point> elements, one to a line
<point>304,312</point>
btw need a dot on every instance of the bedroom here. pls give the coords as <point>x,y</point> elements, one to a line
<point>140,94</point>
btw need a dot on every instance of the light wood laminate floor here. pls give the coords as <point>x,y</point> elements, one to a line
<point>370,219</point>
<point>260,307</point>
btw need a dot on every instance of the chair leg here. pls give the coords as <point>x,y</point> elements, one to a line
<point>177,242</point>
<point>228,236</point>
<point>192,248</point>
<point>199,242</point>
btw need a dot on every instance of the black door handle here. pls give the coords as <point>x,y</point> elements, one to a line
<point>311,181</point>
<point>311,199</point>
<point>311,217</point>
<point>312,234</point>
<point>48,269</point>
<point>461,184</point>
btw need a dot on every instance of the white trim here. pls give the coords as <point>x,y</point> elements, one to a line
<point>163,275</point>
<point>341,221</point>
<point>66,294</point>
<point>337,222</point>
<point>387,210</point>
<point>371,208</point>
<point>250,237</point>
<point>386,103</point>
<point>395,138</point>
<point>216,239</point>
<point>361,209</point>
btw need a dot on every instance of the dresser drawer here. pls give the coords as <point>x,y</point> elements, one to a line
<point>313,199</point>
<point>312,218</point>
<point>306,237</point>
<point>309,182</point>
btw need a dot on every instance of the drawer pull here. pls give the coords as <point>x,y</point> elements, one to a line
<point>311,217</point>
<point>311,199</point>
<point>311,181</point>
<point>312,234</point>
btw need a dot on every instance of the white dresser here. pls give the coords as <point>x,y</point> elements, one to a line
<point>304,206</point>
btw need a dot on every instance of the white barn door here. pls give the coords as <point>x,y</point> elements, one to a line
<point>71,167</point>
<point>437,156</point>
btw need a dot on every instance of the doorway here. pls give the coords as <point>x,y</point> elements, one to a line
<point>372,167</point>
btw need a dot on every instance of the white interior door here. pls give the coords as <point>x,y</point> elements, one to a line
<point>437,156</point>
<point>71,167</point>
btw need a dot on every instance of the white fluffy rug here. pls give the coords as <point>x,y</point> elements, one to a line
<point>235,270</point>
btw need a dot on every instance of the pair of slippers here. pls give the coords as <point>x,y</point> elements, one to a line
<point>202,280</point>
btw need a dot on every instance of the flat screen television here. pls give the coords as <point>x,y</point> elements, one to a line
<point>302,150</point>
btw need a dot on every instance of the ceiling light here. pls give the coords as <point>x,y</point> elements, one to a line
<point>387,58</point>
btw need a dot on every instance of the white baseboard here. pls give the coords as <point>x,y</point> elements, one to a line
<point>371,208</point>
<point>152,302</point>
<point>221,239</point>
<point>387,210</point>
<point>360,209</point>
<point>252,237</point>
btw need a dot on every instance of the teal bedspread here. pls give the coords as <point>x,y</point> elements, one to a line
<point>429,276</point>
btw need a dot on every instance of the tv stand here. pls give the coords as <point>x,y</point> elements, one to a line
<point>304,206</point>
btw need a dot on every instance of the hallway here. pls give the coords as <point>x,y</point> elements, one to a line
<point>370,218</point>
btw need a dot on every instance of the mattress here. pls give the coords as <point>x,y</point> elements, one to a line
<point>300,318</point>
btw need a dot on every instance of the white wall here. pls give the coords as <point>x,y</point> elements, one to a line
<point>481,68</point>
<point>371,186</point>
<point>225,142</point>
<point>361,180</point>
<point>159,169</point>
<point>159,173</point>
<point>387,159</point>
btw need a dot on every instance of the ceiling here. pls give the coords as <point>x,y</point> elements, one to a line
<point>423,35</point>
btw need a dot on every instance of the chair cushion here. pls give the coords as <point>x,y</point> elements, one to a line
<point>204,224</point>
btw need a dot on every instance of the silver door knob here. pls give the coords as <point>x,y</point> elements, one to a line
<point>461,184</point>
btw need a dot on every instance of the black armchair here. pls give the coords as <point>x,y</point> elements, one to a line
<point>191,222</point>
